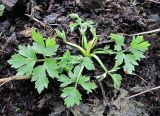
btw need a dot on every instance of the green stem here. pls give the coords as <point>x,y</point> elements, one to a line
<point>57,58</point>
<point>40,60</point>
<point>110,71</point>
<point>100,62</point>
<point>79,75</point>
<point>76,46</point>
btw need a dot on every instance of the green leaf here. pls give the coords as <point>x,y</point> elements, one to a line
<point>117,80</point>
<point>76,59</point>
<point>45,51</point>
<point>89,23</point>
<point>51,51</point>
<point>71,96</point>
<point>119,58</point>
<point>130,63</point>
<point>65,80</point>
<point>51,67</point>
<point>39,76</point>
<point>1,10</point>
<point>26,69</point>
<point>119,40</point>
<point>75,72</point>
<point>88,63</point>
<point>72,77</point>
<point>38,48</point>
<point>24,61</point>
<point>138,43</point>
<point>67,61</point>
<point>88,86</point>
<point>76,17</point>
<point>17,61</point>
<point>61,35</point>
<point>138,54</point>
<point>138,46</point>
<point>72,26</point>
<point>50,42</point>
<point>37,37</point>
<point>27,52</point>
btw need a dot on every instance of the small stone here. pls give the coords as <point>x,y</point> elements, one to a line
<point>10,4</point>
<point>4,25</point>
<point>153,18</point>
<point>51,18</point>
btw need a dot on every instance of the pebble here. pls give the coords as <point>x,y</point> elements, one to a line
<point>50,18</point>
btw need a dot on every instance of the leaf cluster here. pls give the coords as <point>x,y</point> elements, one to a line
<point>41,62</point>
<point>26,58</point>
<point>27,62</point>
<point>133,53</point>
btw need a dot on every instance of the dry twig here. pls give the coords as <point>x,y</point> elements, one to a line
<point>154,1</point>
<point>158,87</point>
<point>5,80</point>
<point>140,77</point>
<point>143,33</point>
<point>38,21</point>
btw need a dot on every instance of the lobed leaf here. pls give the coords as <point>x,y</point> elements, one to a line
<point>39,76</point>
<point>120,56</point>
<point>137,54</point>
<point>71,96</point>
<point>37,37</point>
<point>24,61</point>
<point>17,61</point>
<point>50,51</point>
<point>67,61</point>
<point>138,43</point>
<point>27,68</point>
<point>65,80</point>
<point>138,46</point>
<point>129,61</point>
<point>117,80</point>
<point>51,67</point>
<point>119,40</point>
<point>50,42</point>
<point>86,84</point>
<point>88,63</point>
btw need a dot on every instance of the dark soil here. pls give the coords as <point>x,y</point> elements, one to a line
<point>19,98</point>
